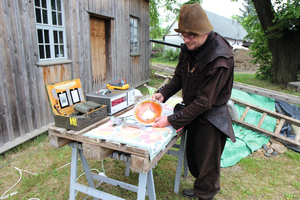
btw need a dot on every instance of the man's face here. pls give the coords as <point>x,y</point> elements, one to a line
<point>194,41</point>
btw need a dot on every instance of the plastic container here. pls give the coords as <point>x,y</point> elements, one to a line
<point>232,111</point>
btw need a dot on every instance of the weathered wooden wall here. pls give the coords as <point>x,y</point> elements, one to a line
<point>24,107</point>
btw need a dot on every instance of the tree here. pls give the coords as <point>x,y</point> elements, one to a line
<point>171,6</point>
<point>259,49</point>
<point>281,25</point>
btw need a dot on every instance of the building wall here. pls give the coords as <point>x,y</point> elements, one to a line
<point>24,107</point>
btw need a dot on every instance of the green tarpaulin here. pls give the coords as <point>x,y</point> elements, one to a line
<point>248,141</point>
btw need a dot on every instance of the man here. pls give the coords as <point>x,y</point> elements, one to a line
<point>205,75</point>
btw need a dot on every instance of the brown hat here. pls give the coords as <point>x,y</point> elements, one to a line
<point>193,19</point>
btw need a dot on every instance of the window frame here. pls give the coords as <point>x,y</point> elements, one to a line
<point>134,36</point>
<point>51,28</point>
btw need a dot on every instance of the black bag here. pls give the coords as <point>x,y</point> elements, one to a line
<point>178,107</point>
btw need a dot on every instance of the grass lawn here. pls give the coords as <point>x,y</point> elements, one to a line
<point>252,178</point>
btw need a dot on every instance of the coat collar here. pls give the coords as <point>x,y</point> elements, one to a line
<point>215,46</point>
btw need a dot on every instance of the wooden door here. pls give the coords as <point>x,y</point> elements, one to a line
<point>97,30</point>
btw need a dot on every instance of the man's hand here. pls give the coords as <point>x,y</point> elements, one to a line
<point>158,96</point>
<point>161,122</point>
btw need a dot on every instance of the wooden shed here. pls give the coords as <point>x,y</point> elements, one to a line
<point>45,41</point>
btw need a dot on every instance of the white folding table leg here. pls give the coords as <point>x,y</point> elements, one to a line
<point>87,170</point>
<point>142,186</point>
<point>179,163</point>
<point>74,161</point>
<point>150,186</point>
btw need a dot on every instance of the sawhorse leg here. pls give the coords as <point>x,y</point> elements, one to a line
<point>74,165</point>
<point>180,162</point>
<point>146,180</point>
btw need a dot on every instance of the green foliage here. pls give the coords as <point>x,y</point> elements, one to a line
<point>155,30</point>
<point>157,50</point>
<point>286,17</point>
<point>259,49</point>
<point>171,54</point>
<point>171,7</point>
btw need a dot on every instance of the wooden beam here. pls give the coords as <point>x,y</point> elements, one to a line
<point>267,93</point>
<point>276,115</point>
<point>244,87</point>
<point>9,145</point>
<point>278,137</point>
<point>95,152</point>
<point>58,142</point>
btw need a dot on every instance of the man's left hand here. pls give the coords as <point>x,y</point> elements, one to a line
<point>161,122</point>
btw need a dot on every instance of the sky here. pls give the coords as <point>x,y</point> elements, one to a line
<point>225,8</point>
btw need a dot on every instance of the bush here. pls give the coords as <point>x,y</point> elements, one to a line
<point>171,54</point>
<point>156,54</point>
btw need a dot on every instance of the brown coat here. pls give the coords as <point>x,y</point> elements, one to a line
<point>206,91</point>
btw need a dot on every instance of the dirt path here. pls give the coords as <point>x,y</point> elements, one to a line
<point>242,62</point>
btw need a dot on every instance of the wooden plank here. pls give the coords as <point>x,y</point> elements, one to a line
<point>55,129</point>
<point>267,93</point>
<point>169,70</point>
<point>9,145</point>
<point>297,137</point>
<point>164,83</point>
<point>139,164</point>
<point>91,139</point>
<point>262,119</point>
<point>28,86</point>
<point>10,91</point>
<point>244,87</point>
<point>279,127</point>
<point>95,152</point>
<point>113,144</point>
<point>144,165</point>
<point>58,142</point>
<point>289,120</point>
<point>278,137</point>
<point>101,144</point>
<point>139,150</point>
<point>245,113</point>
<point>162,75</point>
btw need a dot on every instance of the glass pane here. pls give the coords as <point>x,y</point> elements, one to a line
<point>59,19</point>
<point>41,50</point>
<point>135,23</point>
<point>61,38</point>
<point>135,31</point>
<point>56,51</point>
<point>135,42</point>
<point>48,54</point>
<point>44,3</point>
<point>61,48</point>
<point>40,36</point>
<point>47,38</point>
<point>131,22</point>
<point>37,3</point>
<point>53,5</point>
<point>38,15</point>
<point>131,44</point>
<point>54,22</point>
<point>45,17</point>
<point>131,30</point>
<point>55,37</point>
<point>58,5</point>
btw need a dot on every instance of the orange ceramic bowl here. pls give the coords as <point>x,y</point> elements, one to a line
<point>147,110</point>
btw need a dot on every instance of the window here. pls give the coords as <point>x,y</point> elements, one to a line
<point>50,30</point>
<point>134,36</point>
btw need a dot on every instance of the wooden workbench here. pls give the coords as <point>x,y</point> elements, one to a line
<point>98,149</point>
